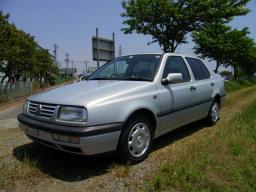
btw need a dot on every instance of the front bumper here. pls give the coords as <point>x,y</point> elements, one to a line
<point>92,139</point>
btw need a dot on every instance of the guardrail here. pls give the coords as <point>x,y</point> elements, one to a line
<point>12,91</point>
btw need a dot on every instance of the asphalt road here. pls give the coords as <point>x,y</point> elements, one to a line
<point>8,116</point>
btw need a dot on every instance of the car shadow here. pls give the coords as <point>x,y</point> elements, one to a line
<point>72,168</point>
<point>61,165</point>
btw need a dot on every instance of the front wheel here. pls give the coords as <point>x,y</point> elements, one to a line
<point>135,142</point>
<point>213,115</point>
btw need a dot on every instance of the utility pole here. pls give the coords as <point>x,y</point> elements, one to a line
<point>86,66</point>
<point>67,61</point>
<point>72,63</point>
<point>98,51</point>
<point>113,38</point>
<point>120,50</point>
<point>55,47</point>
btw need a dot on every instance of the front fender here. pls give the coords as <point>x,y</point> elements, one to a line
<point>118,110</point>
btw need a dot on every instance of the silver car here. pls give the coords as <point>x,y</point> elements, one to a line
<point>124,105</point>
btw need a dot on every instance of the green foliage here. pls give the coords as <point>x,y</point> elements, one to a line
<point>215,42</point>
<point>52,79</point>
<point>226,73</point>
<point>227,46</point>
<point>231,86</point>
<point>243,54</point>
<point>20,56</point>
<point>230,154</point>
<point>168,22</point>
<point>247,60</point>
<point>44,67</point>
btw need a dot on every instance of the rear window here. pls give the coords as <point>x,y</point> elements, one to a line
<point>198,68</point>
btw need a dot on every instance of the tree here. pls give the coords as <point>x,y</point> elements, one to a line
<point>249,65</point>
<point>216,42</point>
<point>225,45</point>
<point>244,57</point>
<point>20,56</point>
<point>169,21</point>
<point>16,49</point>
<point>44,65</point>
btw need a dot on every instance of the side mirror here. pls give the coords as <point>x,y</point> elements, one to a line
<point>172,78</point>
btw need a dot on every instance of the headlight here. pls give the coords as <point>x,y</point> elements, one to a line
<point>25,106</point>
<point>72,114</point>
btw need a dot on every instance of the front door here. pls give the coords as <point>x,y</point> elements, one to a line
<point>176,99</point>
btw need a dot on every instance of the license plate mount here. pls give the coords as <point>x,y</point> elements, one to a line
<point>32,132</point>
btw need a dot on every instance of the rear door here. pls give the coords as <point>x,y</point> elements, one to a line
<point>204,86</point>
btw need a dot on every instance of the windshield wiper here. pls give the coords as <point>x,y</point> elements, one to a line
<point>137,79</point>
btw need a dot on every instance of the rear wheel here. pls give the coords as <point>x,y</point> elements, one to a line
<point>213,115</point>
<point>136,139</point>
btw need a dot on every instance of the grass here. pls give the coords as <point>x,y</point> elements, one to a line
<point>11,170</point>
<point>120,171</point>
<point>232,86</point>
<point>222,161</point>
<point>14,172</point>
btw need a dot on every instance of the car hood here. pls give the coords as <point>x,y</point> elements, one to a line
<point>84,92</point>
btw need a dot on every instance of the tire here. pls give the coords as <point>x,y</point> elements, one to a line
<point>213,115</point>
<point>135,141</point>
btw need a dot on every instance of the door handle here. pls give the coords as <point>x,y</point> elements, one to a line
<point>212,84</point>
<point>192,88</point>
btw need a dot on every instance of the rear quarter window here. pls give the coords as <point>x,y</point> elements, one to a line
<point>206,72</point>
<point>198,68</point>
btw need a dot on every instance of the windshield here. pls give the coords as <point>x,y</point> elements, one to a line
<point>133,67</point>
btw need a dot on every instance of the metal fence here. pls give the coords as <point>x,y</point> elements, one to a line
<point>12,91</point>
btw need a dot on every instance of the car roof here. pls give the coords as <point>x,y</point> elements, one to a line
<point>169,54</point>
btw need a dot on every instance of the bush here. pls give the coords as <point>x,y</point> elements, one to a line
<point>36,85</point>
<point>52,79</point>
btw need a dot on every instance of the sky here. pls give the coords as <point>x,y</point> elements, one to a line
<point>71,25</point>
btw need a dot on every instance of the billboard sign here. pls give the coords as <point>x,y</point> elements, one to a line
<point>103,49</point>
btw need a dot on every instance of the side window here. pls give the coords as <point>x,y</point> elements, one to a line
<point>199,70</point>
<point>175,64</point>
<point>204,69</point>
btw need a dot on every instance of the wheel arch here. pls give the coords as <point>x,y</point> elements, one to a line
<point>217,98</point>
<point>146,112</point>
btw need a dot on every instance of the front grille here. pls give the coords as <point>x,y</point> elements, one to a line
<point>41,110</point>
